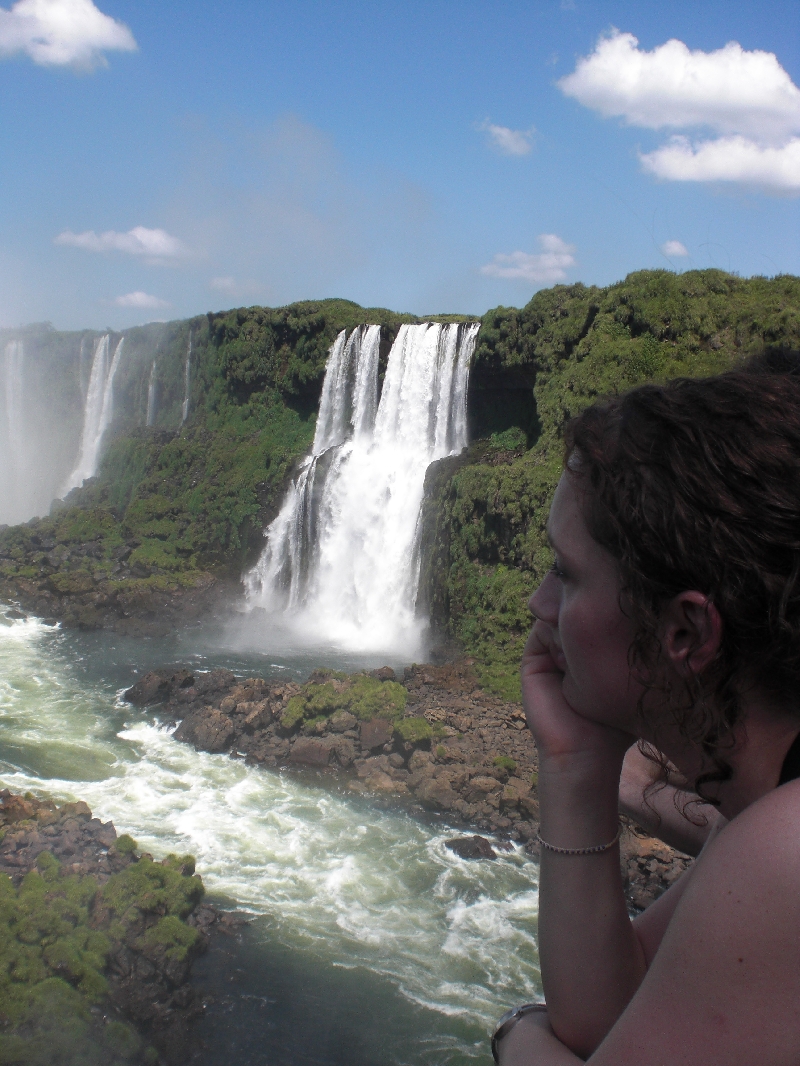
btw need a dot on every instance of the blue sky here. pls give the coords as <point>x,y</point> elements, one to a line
<point>425,156</point>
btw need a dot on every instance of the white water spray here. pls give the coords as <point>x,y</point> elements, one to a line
<point>151,396</point>
<point>341,557</point>
<point>98,412</point>
<point>14,371</point>
<point>186,376</point>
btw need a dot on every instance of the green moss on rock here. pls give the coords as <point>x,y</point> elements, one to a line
<point>363,696</point>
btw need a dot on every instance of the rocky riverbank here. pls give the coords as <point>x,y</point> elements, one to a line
<point>97,941</point>
<point>435,741</point>
<point>84,585</point>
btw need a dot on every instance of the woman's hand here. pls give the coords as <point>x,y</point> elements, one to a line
<point>561,734</point>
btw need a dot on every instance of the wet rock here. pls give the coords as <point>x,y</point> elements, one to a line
<point>376,733</point>
<point>157,685</point>
<point>384,673</point>
<point>309,751</point>
<point>209,730</point>
<point>474,847</point>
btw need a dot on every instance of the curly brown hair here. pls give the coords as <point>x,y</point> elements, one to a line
<point>696,485</point>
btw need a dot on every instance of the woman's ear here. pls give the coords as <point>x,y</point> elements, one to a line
<point>691,632</point>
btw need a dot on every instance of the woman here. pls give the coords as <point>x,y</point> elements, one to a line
<point>671,617</point>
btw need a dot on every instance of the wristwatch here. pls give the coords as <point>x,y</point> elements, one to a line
<point>508,1021</point>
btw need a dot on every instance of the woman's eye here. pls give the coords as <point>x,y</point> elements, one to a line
<point>556,569</point>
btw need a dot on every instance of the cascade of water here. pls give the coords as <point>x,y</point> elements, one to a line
<point>98,412</point>
<point>341,556</point>
<point>15,363</point>
<point>186,376</point>
<point>83,382</point>
<point>151,396</point>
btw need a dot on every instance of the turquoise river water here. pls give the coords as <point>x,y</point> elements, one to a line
<point>371,944</point>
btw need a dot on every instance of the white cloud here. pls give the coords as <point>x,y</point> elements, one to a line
<point>57,33</point>
<point>731,90</point>
<point>674,249</point>
<point>549,265</point>
<point>728,159</point>
<point>140,300</point>
<point>746,97</point>
<point>507,141</point>
<point>157,244</point>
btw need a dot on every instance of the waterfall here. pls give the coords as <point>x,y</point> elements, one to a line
<point>186,376</point>
<point>15,363</point>
<point>82,380</point>
<point>340,558</point>
<point>151,396</point>
<point>14,481</point>
<point>97,414</point>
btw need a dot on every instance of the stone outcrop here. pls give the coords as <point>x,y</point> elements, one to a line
<point>144,981</point>
<point>451,748</point>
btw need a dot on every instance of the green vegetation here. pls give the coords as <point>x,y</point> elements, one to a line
<point>330,691</point>
<point>57,932</point>
<point>193,497</point>
<point>505,762</point>
<point>175,501</point>
<point>485,515</point>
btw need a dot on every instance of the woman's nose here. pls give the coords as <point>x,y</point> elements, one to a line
<point>545,600</point>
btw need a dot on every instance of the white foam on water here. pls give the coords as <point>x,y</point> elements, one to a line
<point>360,886</point>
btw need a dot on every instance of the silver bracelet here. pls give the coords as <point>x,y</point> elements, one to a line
<point>508,1021</point>
<point>580,851</point>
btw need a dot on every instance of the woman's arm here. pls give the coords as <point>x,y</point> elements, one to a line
<point>591,959</point>
<point>724,987</point>
<point>532,1042</point>
<point>661,814</point>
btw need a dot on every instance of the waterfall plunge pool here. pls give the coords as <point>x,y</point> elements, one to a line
<point>371,943</point>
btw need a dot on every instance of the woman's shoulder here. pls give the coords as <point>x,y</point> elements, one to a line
<point>724,984</point>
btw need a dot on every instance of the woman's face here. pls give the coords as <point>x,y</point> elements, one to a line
<point>578,607</point>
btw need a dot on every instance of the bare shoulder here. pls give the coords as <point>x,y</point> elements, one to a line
<point>724,984</point>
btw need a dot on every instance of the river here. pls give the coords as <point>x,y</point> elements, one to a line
<point>371,944</point>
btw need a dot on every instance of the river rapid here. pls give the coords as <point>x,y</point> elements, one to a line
<point>371,944</point>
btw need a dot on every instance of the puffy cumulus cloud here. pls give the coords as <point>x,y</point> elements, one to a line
<point>746,97</point>
<point>508,141</point>
<point>548,266</point>
<point>141,300</point>
<point>728,159</point>
<point>674,249</point>
<point>156,244</point>
<point>57,33</point>
<point>731,90</point>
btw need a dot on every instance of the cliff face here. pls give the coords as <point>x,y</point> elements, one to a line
<point>190,492</point>
<point>484,548</point>
<point>180,501</point>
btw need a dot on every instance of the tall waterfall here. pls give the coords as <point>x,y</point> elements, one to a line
<point>340,558</point>
<point>14,370</point>
<point>151,396</point>
<point>13,477</point>
<point>186,377</point>
<point>98,412</point>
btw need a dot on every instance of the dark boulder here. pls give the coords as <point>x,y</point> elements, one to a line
<point>473,847</point>
<point>157,686</point>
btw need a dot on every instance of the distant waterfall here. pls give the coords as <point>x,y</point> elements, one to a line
<point>186,376</point>
<point>98,412</point>
<point>82,361</point>
<point>151,396</point>
<point>15,421</point>
<point>341,556</point>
